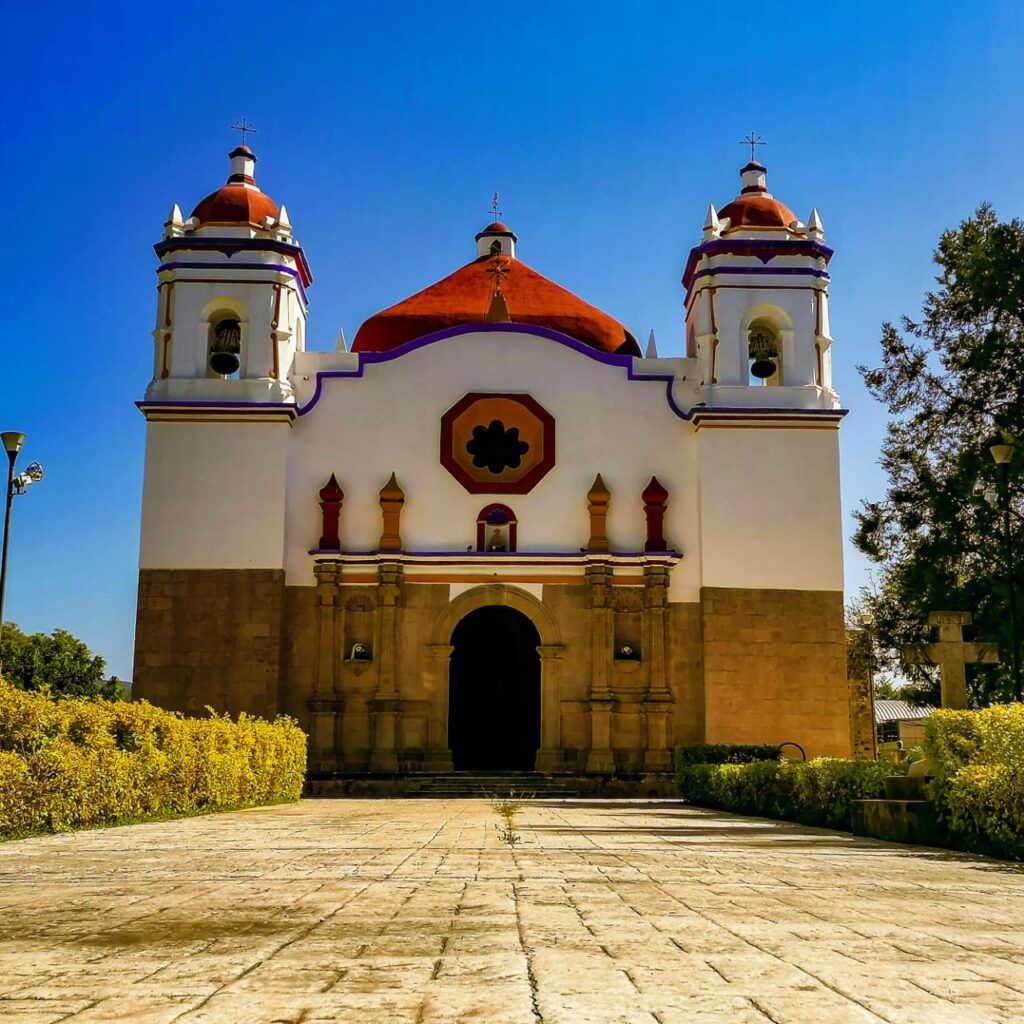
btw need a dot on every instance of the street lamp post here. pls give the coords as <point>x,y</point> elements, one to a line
<point>1002,454</point>
<point>12,441</point>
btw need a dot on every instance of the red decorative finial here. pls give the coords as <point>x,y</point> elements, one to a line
<point>331,498</point>
<point>655,497</point>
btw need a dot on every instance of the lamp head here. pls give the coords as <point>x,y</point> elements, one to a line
<point>12,441</point>
<point>1002,453</point>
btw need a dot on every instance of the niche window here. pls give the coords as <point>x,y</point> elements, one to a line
<point>764,355</point>
<point>496,529</point>
<point>225,346</point>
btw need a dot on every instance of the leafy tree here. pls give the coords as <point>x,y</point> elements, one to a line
<point>57,660</point>
<point>954,384</point>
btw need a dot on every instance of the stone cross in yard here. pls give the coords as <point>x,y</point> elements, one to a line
<point>952,654</point>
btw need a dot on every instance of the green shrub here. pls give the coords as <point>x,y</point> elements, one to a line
<point>815,792</point>
<point>726,753</point>
<point>977,758</point>
<point>76,762</point>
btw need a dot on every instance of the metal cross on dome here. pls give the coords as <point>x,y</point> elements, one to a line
<point>243,126</point>
<point>753,142</point>
<point>495,212</point>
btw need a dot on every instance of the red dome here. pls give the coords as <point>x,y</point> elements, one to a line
<point>465,297</point>
<point>235,204</point>
<point>497,228</point>
<point>757,211</point>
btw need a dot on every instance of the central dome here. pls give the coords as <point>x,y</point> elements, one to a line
<point>466,296</point>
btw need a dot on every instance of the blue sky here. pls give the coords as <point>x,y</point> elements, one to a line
<point>607,128</point>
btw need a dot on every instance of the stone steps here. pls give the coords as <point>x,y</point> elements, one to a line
<point>487,785</point>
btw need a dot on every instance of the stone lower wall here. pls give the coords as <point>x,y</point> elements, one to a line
<point>209,637</point>
<point>775,669</point>
<point>740,666</point>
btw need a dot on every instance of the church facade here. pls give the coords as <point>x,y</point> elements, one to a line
<point>495,534</point>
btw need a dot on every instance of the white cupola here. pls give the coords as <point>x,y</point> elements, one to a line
<point>757,303</point>
<point>231,309</point>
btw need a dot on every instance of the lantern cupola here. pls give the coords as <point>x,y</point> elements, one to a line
<point>231,308</point>
<point>757,318</point>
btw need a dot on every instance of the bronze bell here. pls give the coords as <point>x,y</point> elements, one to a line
<point>764,355</point>
<point>227,343</point>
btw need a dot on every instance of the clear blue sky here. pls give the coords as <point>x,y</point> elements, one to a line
<point>606,127</point>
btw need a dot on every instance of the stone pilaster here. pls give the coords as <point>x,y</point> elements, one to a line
<point>326,705</point>
<point>658,699</point>
<point>549,757</point>
<point>437,661</point>
<point>602,700</point>
<point>386,706</point>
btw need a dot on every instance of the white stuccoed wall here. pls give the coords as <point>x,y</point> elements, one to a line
<point>754,507</point>
<point>214,496</point>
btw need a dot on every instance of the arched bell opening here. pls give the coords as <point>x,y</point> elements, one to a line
<point>497,529</point>
<point>764,354</point>
<point>224,344</point>
<point>494,691</point>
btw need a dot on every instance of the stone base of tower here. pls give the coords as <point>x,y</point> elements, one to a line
<point>737,666</point>
<point>209,637</point>
<point>775,669</point>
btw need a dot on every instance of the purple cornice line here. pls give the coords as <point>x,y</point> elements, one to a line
<point>773,271</point>
<point>764,249</point>
<point>229,246</point>
<point>526,557</point>
<point>203,406</point>
<point>277,267</point>
<point>607,358</point>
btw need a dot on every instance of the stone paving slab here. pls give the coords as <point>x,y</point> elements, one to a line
<point>414,912</point>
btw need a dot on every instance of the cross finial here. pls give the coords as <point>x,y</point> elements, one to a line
<point>753,142</point>
<point>243,126</point>
<point>497,269</point>
<point>495,212</point>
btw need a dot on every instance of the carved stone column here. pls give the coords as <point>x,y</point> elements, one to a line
<point>326,704</point>
<point>549,757</point>
<point>437,661</point>
<point>658,699</point>
<point>386,706</point>
<point>602,700</point>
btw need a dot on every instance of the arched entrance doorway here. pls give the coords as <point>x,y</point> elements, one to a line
<point>494,691</point>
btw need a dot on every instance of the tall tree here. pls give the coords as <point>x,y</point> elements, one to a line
<point>953,382</point>
<point>56,660</point>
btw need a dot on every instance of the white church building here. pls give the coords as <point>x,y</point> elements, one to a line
<point>496,534</point>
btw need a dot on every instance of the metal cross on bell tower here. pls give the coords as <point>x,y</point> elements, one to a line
<point>753,142</point>
<point>243,126</point>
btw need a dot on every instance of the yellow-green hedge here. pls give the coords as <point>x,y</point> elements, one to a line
<point>71,763</point>
<point>978,761</point>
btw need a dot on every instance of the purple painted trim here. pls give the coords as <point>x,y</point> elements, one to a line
<point>229,246</point>
<point>607,358</point>
<point>764,249</point>
<point>467,557</point>
<point>712,271</point>
<point>213,406</point>
<point>277,267</point>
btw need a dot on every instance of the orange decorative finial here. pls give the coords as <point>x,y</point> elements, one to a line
<point>598,499</point>
<point>392,498</point>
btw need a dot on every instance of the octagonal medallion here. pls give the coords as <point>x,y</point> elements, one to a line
<point>497,443</point>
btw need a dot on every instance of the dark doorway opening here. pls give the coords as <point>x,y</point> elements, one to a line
<point>494,692</point>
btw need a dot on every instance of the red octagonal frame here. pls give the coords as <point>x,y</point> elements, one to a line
<point>525,483</point>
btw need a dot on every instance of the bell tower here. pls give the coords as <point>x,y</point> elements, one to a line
<point>757,317</point>
<point>231,305</point>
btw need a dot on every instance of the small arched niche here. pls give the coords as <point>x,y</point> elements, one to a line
<point>496,528</point>
<point>224,343</point>
<point>764,353</point>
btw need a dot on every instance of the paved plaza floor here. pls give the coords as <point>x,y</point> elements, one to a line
<point>402,911</point>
